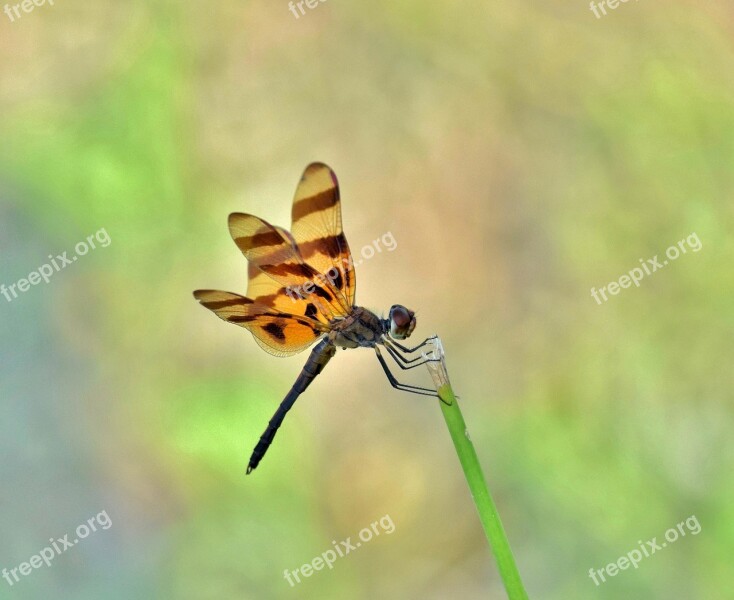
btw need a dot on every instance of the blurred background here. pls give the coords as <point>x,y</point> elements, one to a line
<point>520,153</point>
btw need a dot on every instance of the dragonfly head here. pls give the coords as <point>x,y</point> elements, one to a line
<point>401,322</point>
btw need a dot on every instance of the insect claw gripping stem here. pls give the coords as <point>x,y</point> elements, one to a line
<point>403,386</point>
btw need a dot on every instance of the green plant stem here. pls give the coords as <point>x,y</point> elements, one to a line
<point>482,498</point>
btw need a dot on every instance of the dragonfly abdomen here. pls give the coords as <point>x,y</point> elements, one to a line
<point>316,362</point>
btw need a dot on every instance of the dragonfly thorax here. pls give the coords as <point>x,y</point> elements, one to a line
<point>360,329</point>
<point>364,329</point>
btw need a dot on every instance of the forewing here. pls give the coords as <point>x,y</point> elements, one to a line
<point>270,293</point>
<point>278,272</point>
<point>279,333</point>
<point>316,226</point>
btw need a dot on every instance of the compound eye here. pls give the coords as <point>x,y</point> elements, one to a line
<point>400,316</point>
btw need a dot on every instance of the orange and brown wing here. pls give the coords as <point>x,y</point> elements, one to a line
<point>268,292</point>
<point>278,276</point>
<point>278,333</point>
<point>316,226</point>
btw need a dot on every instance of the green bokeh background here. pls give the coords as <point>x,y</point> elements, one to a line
<point>520,153</point>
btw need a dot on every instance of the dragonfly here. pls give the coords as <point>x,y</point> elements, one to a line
<point>301,289</point>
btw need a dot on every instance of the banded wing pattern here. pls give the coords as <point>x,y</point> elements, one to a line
<point>316,225</point>
<point>279,333</point>
<point>297,283</point>
<point>277,269</point>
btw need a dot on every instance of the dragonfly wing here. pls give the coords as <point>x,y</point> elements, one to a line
<point>279,333</point>
<point>278,272</point>
<point>316,225</point>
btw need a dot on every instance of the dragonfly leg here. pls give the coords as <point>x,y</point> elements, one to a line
<point>405,363</point>
<point>399,357</point>
<point>423,343</point>
<point>403,386</point>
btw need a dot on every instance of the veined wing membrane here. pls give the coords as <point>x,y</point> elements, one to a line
<point>279,333</point>
<point>271,251</point>
<point>316,226</point>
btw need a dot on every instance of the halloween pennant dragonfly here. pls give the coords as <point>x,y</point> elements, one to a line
<point>301,286</point>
